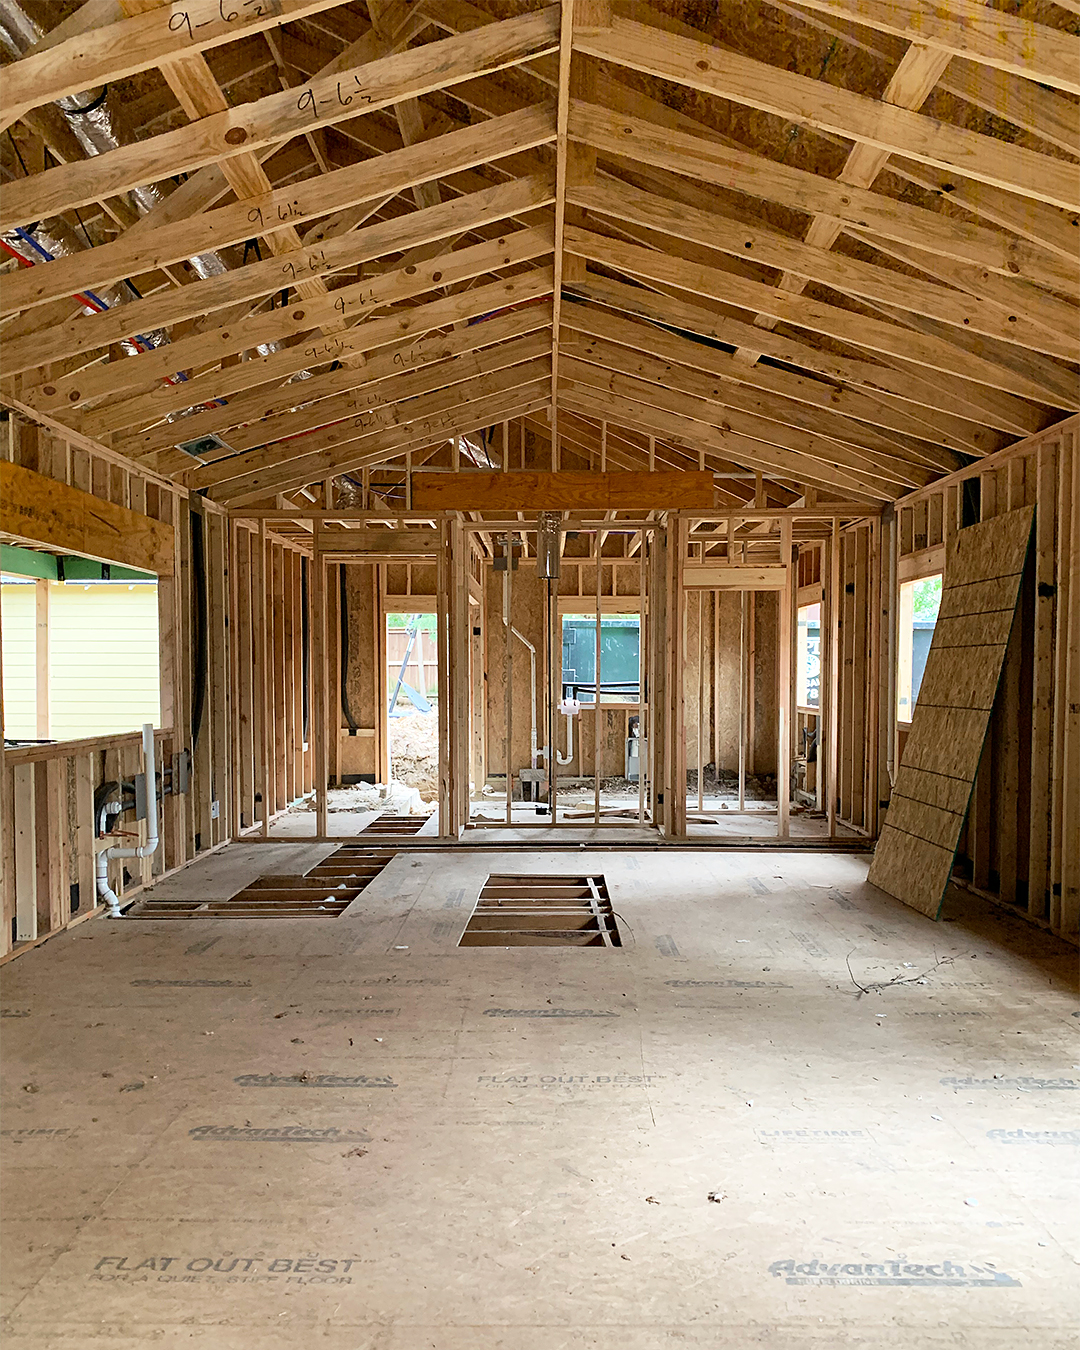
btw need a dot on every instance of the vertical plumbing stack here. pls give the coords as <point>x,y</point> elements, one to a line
<point>105,893</point>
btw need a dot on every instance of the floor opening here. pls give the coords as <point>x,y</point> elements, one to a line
<point>396,825</point>
<point>542,911</point>
<point>323,892</point>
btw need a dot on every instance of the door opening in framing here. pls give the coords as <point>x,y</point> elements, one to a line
<point>412,701</point>
<point>756,680</point>
<point>564,680</point>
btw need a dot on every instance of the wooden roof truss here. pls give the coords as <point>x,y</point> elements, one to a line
<point>827,250</point>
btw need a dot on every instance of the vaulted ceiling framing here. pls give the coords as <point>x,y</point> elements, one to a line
<point>827,250</point>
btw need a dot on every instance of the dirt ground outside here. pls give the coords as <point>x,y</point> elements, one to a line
<point>414,749</point>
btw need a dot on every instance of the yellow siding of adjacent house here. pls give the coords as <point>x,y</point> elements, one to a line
<point>103,659</point>
<point>18,615</point>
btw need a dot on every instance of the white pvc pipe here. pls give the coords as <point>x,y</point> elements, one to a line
<point>569,740</point>
<point>542,752</point>
<point>105,892</point>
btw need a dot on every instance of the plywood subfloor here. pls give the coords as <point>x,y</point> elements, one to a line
<point>358,1136</point>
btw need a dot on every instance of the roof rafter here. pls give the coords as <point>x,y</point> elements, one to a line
<point>445,414</point>
<point>843,112</point>
<point>966,28</point>
<point>841,324</point>
<point>271,120</point>
<point>347,302</point>
<point>1053,330</point>
<point>359,183</point>
<point>869,212</point>
<point>261,406</point>
<point>655,246</point>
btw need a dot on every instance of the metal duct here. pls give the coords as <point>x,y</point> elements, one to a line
<point>475,449</point>
<point>90,118</point>
<point>93,123</point>
<point>548,545</point>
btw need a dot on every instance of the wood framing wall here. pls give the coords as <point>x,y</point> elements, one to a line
<point>716,633</point>
<point>577,594</point>
<point>266,759</point>
<point>244,601</point>
<point>230,748</point>
<point>1022,841</point>
<point>363,754</point>
<point>855,603</point>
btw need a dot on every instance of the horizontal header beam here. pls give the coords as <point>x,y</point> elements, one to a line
<point>40,510</point>
<point>562,491</point>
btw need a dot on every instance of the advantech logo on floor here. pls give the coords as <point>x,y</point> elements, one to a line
<point>949,1273</point>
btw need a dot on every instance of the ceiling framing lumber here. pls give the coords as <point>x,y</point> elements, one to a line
<point>636,139</point>
<point>739,434</point>
<point>826,107</point>
<point>359,410</point>
<point>728,394</point>
<point>430,405</point>
<point>691,433</point>
<point>967,28</point>
<point>1042,112</point>
<point>650,247</point>
<point>829,320</point>
<point>446,419</point>
<point>110,52</point>
<point>268,277</point>
<point>925,396</point>
<point>262,406</point>
<point>1011,322</point>
<point>566,491</point>
<point>397,330</point>
<point>367,181</point>
<point>848,412</point>
<point>1045,226</point>
<point>276,118</point>
<point>347,302</point>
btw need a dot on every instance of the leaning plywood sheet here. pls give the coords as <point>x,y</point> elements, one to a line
<point>983,569</point>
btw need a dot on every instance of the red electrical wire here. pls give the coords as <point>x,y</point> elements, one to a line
<point>92,303</point>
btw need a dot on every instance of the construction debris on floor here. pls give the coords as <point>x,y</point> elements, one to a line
<point>396,798</point>
<point>784,1112</point>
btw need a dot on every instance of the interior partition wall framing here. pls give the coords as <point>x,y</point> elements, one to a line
<point>251,663</point>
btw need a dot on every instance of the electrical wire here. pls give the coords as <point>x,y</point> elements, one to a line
<point>343,608</point>
<point>199,664</point>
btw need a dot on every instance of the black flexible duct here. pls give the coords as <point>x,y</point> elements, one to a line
<point>305,649</point>
<point>344,660</point>
<point>105,794</point>
<point>198,584</point>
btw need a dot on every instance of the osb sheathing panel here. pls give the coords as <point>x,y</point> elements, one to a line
<point>692,704</point>
<point>727,693</point>
<point>762,758</point>
<point>358,752</point>
<point>984,566</point>
<point>527,616</point>
<point>720,730</point>
<point>613,732</point>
